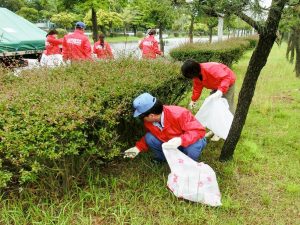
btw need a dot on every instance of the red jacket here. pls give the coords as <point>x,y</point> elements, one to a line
<point>149,47</point>
<point>178,122</point>
<point>52,45</point>
<point>76,46</point>
<point>103,52</point>
<point>215,76</point>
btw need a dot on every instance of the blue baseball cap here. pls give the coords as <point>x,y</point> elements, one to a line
<point>80,25</point>
<point>143,103</point>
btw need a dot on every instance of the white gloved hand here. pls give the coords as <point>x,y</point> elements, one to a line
<point>192,104</point>
<point>173,143</point>
<point>216,95</point>
<point>131,153</point>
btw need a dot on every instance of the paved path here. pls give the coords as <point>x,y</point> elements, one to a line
<point>131,48</point>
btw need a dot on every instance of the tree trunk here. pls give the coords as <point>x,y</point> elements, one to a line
<point>210,34</point>
<point>220,28</point>
<point>110,28</point>
<point>102,28</point>
<point>191,28</point>
<point>297,50</point>
<point>94,25</point>
<point>161,41</point>
<point>134,30</point>
<point>257,62</point>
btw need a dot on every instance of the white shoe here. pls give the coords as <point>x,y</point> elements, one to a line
<point>215,138</point>
<point>209,133</point>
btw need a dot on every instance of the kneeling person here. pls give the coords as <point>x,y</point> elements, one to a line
<point>167,123</point>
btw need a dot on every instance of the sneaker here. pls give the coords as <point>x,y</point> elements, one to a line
<point>215,138</point>
<point>208,134</point>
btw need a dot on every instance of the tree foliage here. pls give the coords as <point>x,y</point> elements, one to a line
<point>291,25</point>
<point>13,5</point>
<point>64,19</point>
<point>30,14</point>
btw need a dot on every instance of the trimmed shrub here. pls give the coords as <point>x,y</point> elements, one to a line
<point>140,34</point>
<point>54,122</point>
<point>253,39</point>
<point>61,32</point>
<point>226,52</point>
<point>176,34</point>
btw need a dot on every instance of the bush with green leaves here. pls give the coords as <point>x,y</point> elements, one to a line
<point>61,32</point>
<point>176,34</point>
<point>140,34</point>
<point>226,52</point>
<point>55,122</point>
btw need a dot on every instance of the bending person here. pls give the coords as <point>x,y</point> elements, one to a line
<point>167,123</point>
<point>211,75</point>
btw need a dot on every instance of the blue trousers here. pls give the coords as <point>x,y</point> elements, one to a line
<point>193,150</point>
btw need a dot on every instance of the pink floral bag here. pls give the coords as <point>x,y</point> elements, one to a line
<point>191,180</point>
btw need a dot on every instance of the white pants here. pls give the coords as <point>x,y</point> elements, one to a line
<point>51,60</point>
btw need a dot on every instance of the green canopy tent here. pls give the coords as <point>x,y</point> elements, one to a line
<point>18,36</point>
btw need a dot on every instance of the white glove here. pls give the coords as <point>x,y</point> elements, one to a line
<point>174,143</point>
<point>131,153</point>
<point>216,95</point>
<point>192,104</point>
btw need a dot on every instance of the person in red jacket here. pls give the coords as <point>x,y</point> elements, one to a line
<point>76,46</point>
<point>52,43</point>
<point>52,54</point>
<point>102,49</point>
<point>211,75</point>
<point>173,125</point>
<point>149,46</point>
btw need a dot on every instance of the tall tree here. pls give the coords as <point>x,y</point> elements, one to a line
<point>211,22</point>
<point>13,5</point>
<point>267,36</point>
<point>200,8</point>
<point>64,19</point>
<point>291,24</point>
<point>30,14</point>
<point>132,17</point>
<point>160,13</point>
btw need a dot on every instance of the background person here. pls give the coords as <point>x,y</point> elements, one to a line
<point>102,49</point>
<point>149,46</point>
<point>173,125</point>
<point>52,54</point>
<point>76,46</point>
<point>211,75</point>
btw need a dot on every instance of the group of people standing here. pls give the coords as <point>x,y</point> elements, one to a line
<point>76,46</point>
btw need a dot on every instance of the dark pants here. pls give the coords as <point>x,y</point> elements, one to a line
<point>193,150</point>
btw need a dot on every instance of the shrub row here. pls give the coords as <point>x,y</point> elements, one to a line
<point>226,52</point>
<point>54,122</point>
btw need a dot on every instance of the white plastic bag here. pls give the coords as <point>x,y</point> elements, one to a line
<point>215,115</point>
<point>51,60</point>
<point>192,180</point>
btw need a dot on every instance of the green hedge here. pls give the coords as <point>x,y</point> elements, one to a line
<point>54,122</point>
<point>226,52</point>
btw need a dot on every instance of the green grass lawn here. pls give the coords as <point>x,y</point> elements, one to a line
<point>261,185</point>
